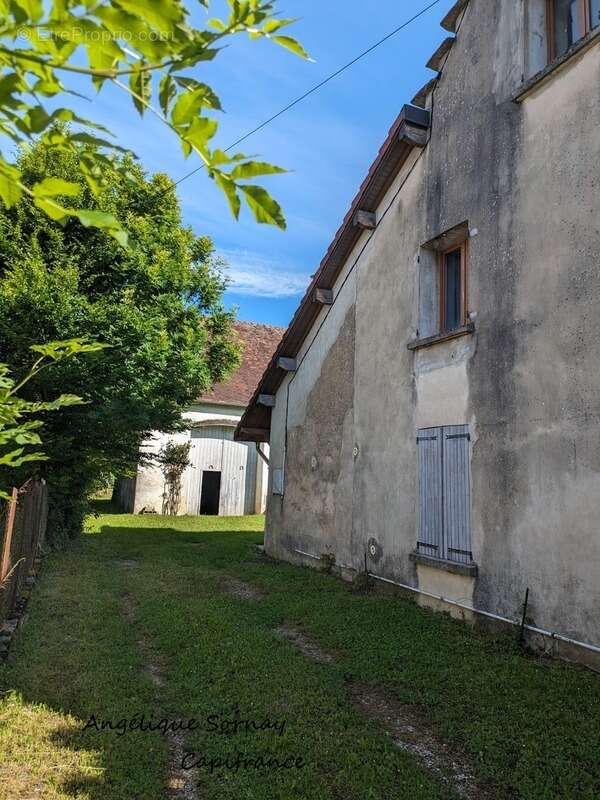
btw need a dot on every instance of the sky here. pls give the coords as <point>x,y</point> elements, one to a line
<point>327,142</point>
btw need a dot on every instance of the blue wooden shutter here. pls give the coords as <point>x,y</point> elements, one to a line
<point>456,493</point>
<point>429,449</point>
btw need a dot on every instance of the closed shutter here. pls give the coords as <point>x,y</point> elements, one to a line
<point>457,493</point>
<point>443,525</point>
<point>429,447</point>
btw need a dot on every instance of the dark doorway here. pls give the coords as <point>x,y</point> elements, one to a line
<point>211,489</point>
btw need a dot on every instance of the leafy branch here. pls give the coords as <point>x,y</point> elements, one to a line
<point>132,39</point>
<point>17,432</point>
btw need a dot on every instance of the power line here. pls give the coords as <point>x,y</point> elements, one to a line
<point>312,90</point>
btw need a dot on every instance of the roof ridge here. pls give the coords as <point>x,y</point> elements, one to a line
<point>258,340</point>
<point>258,324</point>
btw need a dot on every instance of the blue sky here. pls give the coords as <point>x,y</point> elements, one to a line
<point>327,142</point>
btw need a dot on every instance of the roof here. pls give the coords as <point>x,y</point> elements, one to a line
<point>259,342</point>
<point>410,127</point>
<point>410,130</point>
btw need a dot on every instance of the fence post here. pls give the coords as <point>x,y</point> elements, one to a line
<point>8,532</point>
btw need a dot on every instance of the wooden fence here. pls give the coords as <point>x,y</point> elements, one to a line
<point>22,531</point>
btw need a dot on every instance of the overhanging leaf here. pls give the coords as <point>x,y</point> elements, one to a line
<point>251,169</point>
<point>293,45</point>
<point>217,24</point>
<point>209,97</point>
<point>273,25</point>
<point>102,220</point>
<point>159,14</point>
<point>50,187</point>
<point>10,189</point>
<point>33,9</point>
<point>189,104</point>
<point>166,93</point>
<point>266,210</point>
<point>230,190</point>
<point>199,134</point>
<point>53,209</point>
<point>140,83</point>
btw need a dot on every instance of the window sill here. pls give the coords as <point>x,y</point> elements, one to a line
<point>465,330</point>
<point>457,568</point>
<point>593,37</point>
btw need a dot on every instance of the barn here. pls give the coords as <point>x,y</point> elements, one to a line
<point>224,477</point>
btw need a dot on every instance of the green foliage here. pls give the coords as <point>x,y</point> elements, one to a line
<point>17,431</point>
<point>143,48</point>
<point>174,458</point>
<point>157,304</point>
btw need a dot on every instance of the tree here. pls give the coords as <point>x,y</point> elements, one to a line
<point>18,433</point>
<point>144,48</point>
<point>157,304</point>
<point>174,459</point>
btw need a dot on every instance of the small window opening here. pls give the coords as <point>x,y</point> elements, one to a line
<point>453,289</point>
<point>568,21</point>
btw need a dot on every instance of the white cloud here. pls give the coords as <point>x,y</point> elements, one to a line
<point>251,274</point>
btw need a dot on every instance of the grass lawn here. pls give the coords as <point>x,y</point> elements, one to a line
<point>146,615</point>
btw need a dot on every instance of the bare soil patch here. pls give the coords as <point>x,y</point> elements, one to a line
<point>411,732</point>
<point>240,589</point>
<point>305,644</point>
<point>181,784</point>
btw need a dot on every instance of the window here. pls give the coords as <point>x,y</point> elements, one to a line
<point>444,504</point>
<point>568,21</point>
<point>453,285</point>
<point>442,308</point>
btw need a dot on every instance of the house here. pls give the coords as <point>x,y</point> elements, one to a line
<point>224,477</point>
<point>433,409</point>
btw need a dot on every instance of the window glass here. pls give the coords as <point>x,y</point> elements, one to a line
<point>568,24</point>
<point>452,290</point>
<point>595,12</point>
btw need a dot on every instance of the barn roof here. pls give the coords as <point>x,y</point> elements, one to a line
<point>259,343</point>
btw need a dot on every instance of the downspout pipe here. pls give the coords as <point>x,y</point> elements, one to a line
<point>261,454</point>
<point>550,634</point>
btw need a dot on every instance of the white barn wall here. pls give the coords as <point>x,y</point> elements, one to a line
<point>149,482</point>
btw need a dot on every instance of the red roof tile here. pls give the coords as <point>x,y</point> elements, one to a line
<point>259,343</point>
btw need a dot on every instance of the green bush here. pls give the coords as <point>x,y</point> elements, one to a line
<point>157,305</point>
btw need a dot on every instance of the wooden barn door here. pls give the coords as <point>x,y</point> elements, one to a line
<point>213,450</point>
<point>238,485</point>
<point>206,455</point>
